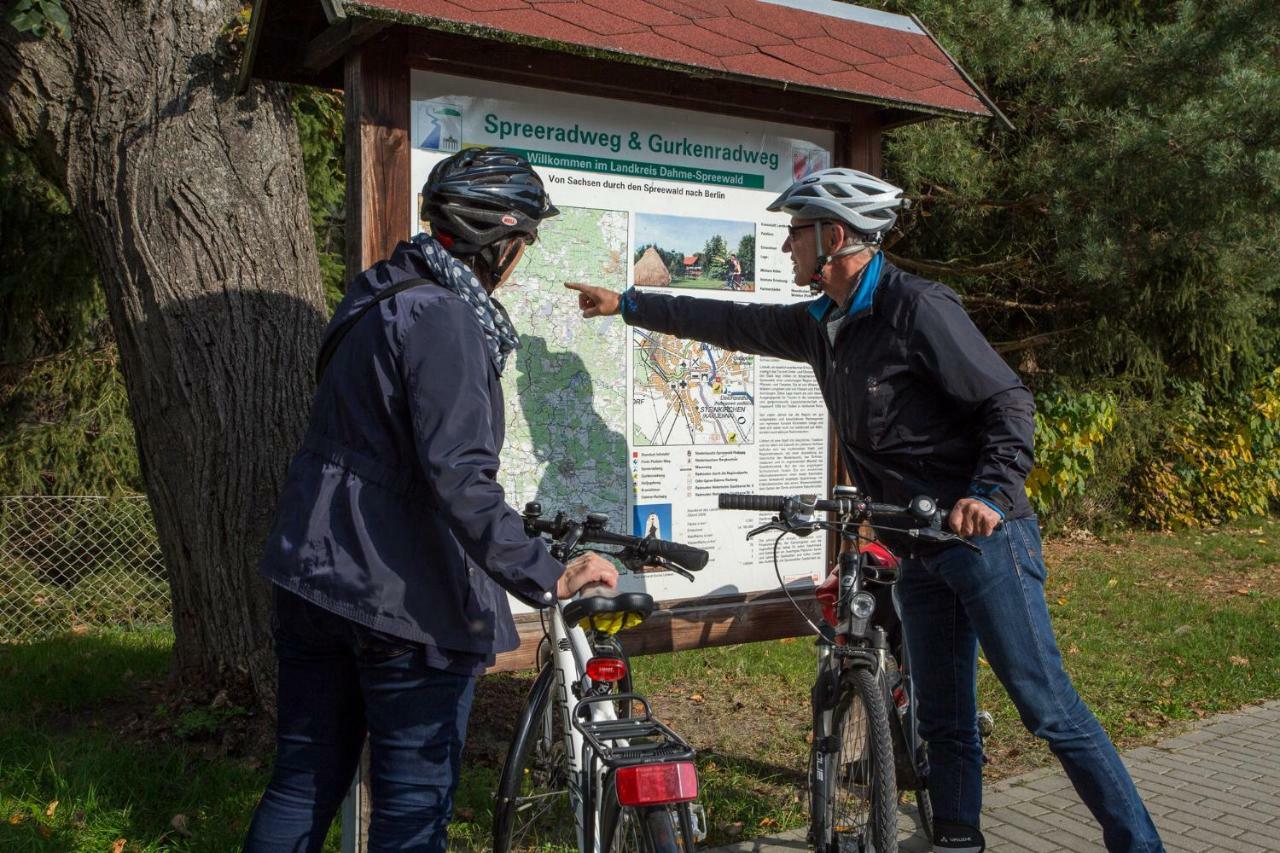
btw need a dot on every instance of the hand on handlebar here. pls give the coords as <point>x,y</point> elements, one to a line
<point>586,569</point>
<point>970,517</point>
<point>596,301</point>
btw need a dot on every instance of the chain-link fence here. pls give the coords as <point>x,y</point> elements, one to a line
<point>72,561</point>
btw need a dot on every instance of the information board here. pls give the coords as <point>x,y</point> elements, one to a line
<point>604,417</point>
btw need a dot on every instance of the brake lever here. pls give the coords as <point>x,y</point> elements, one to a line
<point>941,537</point>
<point>636,563</point>
<point>765,528</point>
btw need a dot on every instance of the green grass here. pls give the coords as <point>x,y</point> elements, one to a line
<point>1156,629</point>
<point>73,731</point>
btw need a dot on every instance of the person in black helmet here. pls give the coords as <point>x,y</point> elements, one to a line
<point>393,546</point>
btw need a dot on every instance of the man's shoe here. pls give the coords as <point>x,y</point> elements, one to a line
<point>957,838</point>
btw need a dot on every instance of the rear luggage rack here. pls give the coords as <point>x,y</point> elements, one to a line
<point>630,740</point>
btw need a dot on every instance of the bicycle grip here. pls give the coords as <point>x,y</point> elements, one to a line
<point>753,503</point>
<point>687,556</point>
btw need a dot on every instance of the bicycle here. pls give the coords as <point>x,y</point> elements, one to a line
<point>866,746</point>
<point>584,770</point>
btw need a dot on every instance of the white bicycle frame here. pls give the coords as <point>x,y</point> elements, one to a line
<point>570,651</point>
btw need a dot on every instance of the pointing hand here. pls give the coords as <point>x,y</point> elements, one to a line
<point>596,301</point>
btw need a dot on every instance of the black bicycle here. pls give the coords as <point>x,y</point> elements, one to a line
<point>585,770</point>
<point>866,747</point>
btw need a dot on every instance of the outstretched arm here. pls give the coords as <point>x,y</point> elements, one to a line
<point>780,331</point>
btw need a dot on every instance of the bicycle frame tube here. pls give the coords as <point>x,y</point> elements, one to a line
<point>570,651</point>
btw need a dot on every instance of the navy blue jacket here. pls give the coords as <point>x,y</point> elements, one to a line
<point>921,402</point>
<point>391,514</point>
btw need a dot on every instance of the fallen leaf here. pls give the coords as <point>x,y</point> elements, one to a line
<point>768,821</point>
<point>118,846</point>
<point>1073,650</point>
<point>179,824</point>
<point>15,819</point>
<point>697,697</point>
<point>79,630</point>
<point>787,640</point>
<point>1062,602</point>
<point>51,808</point>
<point>983,661</point>
<point>1237,660</point>
<point>1112,582</point>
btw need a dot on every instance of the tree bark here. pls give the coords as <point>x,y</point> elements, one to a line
<point>192,202</point>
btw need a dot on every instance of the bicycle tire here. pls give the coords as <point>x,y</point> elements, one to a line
<point>652,829</point>
<point>530,797</point>
<point>862,793</point>
<point>924,806</point>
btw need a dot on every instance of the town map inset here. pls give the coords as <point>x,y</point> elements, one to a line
<point>689,392</point>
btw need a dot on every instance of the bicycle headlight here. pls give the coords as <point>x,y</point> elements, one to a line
<point>862,605</point>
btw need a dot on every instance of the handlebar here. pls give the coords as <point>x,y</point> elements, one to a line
<point>921,508</point>
<point>794,514</point>
<point>591,530</point>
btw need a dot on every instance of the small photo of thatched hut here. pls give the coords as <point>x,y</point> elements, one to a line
<point>688,251</point>
<point>651,270</point>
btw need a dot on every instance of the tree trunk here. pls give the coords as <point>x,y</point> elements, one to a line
<point>192,202</point>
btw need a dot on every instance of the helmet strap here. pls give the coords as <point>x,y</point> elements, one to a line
<point>820,261</point>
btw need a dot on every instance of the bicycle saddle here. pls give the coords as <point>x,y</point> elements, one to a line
<point>592,606</point>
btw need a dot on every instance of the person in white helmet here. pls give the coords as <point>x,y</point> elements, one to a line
<point>923,405</point>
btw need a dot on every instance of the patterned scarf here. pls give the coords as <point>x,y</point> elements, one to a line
<point>458,277</point>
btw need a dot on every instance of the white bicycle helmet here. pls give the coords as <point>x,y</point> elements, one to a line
<point>864,202</point>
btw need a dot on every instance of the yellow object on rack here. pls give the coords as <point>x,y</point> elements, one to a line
<point>610,623</point>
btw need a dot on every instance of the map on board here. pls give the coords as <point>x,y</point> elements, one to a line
<point>565,387</point>
<point>689,392</point>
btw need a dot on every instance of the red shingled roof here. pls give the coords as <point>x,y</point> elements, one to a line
<point>747,38</point>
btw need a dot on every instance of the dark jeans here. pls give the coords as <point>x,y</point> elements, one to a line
<point>957,599</point>
<point>337,679</point>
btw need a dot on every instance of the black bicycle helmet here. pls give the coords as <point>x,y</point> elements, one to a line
<point>481,197</point>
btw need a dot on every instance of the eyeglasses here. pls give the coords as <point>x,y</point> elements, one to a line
<point>792,230</point>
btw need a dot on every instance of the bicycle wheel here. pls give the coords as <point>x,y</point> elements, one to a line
<point>533,808</point>
<point>924,806</point>
<point>655,829</point>
<point>862,794</point>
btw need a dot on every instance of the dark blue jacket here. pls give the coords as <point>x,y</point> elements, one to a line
<point>391,514</point>
<point>921,402</point>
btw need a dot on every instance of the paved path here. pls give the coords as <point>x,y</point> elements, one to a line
<point>1215,788</point>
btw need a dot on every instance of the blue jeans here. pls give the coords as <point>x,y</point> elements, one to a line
<point>337,679</point>
<point>957,599</point>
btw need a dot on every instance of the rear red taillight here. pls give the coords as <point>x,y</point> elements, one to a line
<point>606,669</point>
<point>657,784</point>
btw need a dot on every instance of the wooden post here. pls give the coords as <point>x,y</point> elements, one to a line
<point>378,217</point>
<point>377,155</point>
